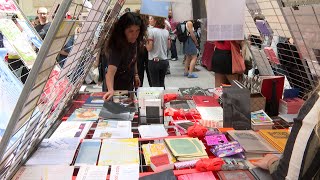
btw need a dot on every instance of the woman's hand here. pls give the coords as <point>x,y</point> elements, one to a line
<point>108,95</point>
<point>266,161</point>
<point>136,81</point>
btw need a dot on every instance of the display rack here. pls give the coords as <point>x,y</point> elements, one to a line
<point>49,87</point>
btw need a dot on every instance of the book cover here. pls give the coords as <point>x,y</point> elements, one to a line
<point>44,172</point>
<point>260,117</point>
<point>119,152</point>
<point>69,129</point>
<point>235,175</point>
<point>152,131</point>
<point>205,101</point>
<point>88,153</point>
<point>113,129</point>
<point>276,137</point>
<point>125,172</point>
<point>93,173</point>
<point>85,114</point>
<point>251,141</point>
<point>94,101</point>
<point>156,149</point>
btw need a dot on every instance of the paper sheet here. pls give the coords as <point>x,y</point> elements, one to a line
<point>124,172</point>
<point>225,19</point>
<point>152,131</point>
<point>93,173</point>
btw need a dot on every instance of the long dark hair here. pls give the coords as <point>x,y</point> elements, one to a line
<point>118,41</point>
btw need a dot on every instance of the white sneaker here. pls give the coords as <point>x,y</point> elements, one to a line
<point>174,59</point>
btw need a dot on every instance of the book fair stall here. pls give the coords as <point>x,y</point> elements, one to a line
<point>52,128</point>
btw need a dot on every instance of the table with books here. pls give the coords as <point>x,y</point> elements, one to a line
<point>151,137</point>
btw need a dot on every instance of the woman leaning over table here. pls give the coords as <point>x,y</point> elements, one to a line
<point>301,157</point>
<point>122,48</point>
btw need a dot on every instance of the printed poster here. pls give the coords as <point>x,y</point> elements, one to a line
<point>10,90</point>
<point>225,20</point>
<point>8,6</point>
<point>17,40</point>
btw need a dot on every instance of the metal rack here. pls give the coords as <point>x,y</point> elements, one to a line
<point>41,103</point>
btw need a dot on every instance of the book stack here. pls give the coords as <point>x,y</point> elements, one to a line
<point>183,126</point>
<point>260,120</point>
<point>152,131</point>
<point>113,129</point>
<point>276,137</point>
<point>185,149</point>
<point>154,150</point>
<point>290,105</point>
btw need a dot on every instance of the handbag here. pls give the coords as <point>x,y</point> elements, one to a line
<point>238,66</point>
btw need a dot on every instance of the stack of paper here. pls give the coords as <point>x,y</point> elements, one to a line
<point>185,149</point>
<point>88,153</point>
<point>156,149</point>
<point>83,114</point>
<point>58,151</point>
<point>119,152</point>
<point>44,172</point>
<point>124,172</point>
<point>113,129</point>
<point>211,116</point>
<point>251,141</point>
<point>70,129</point>
<point>276,137</point>
<point>152,131</point>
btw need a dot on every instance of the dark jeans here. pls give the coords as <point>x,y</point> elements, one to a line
<point>157,72</point>
<point>15,65</point>
<point>142,64</point>
<point>173,49</point>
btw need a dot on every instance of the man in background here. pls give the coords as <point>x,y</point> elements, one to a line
<point>43,26</point>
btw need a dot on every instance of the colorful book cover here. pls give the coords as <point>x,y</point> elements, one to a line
<point>156,149</point>
<point>88,153</point>
<point>119,152</point>
<point>276,137</point>
<point>196,176</point>
<point>94,101</point>
<point>260,117</point>
<point>85,114</point>
<point>72,129</point>
<point>113,129</point>
<point>235,175</point>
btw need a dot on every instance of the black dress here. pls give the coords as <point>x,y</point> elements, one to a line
<point>125,62</point>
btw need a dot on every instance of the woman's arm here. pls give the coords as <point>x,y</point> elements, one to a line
<point>110,82</point>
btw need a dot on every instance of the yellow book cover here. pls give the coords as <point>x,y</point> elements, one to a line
<point>119,152</point>
<point>276,137</point>
<point>156,149</point>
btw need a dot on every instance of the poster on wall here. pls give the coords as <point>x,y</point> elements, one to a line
<point>18,40</point>
<point>225,20</point>
<point>10,90</point>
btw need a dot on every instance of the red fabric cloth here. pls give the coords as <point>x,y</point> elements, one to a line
<point>169,97</point>
<point>207,55</point>
<point>197,131</point>
<point>209,164</point>
<point>181,114</point>
<point>225,45</point>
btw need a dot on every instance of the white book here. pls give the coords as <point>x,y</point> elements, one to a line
<point>124,172</point>
<point>44,172</point>
<point>93,173</point>
<point>211,113</point>
<point>55,151</point>
<point>113,129</point>
<point>70,129</point>
<point>152,131</point>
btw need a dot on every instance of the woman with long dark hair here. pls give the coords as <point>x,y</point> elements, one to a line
<point>122,47</point>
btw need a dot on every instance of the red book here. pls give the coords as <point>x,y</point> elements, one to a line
<point>160,160</point>
<point>205,101</point>
<point>236,175</point>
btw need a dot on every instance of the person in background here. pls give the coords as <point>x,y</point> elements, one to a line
<point>36,21</point>
<point>44,25</point>
<point>174,54</point>
<point>158,44</point>
<point>300,159</point>
<point>122,47</point>
<point>190,48</point>
<point>143,54</point>
<point>222,63</point>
